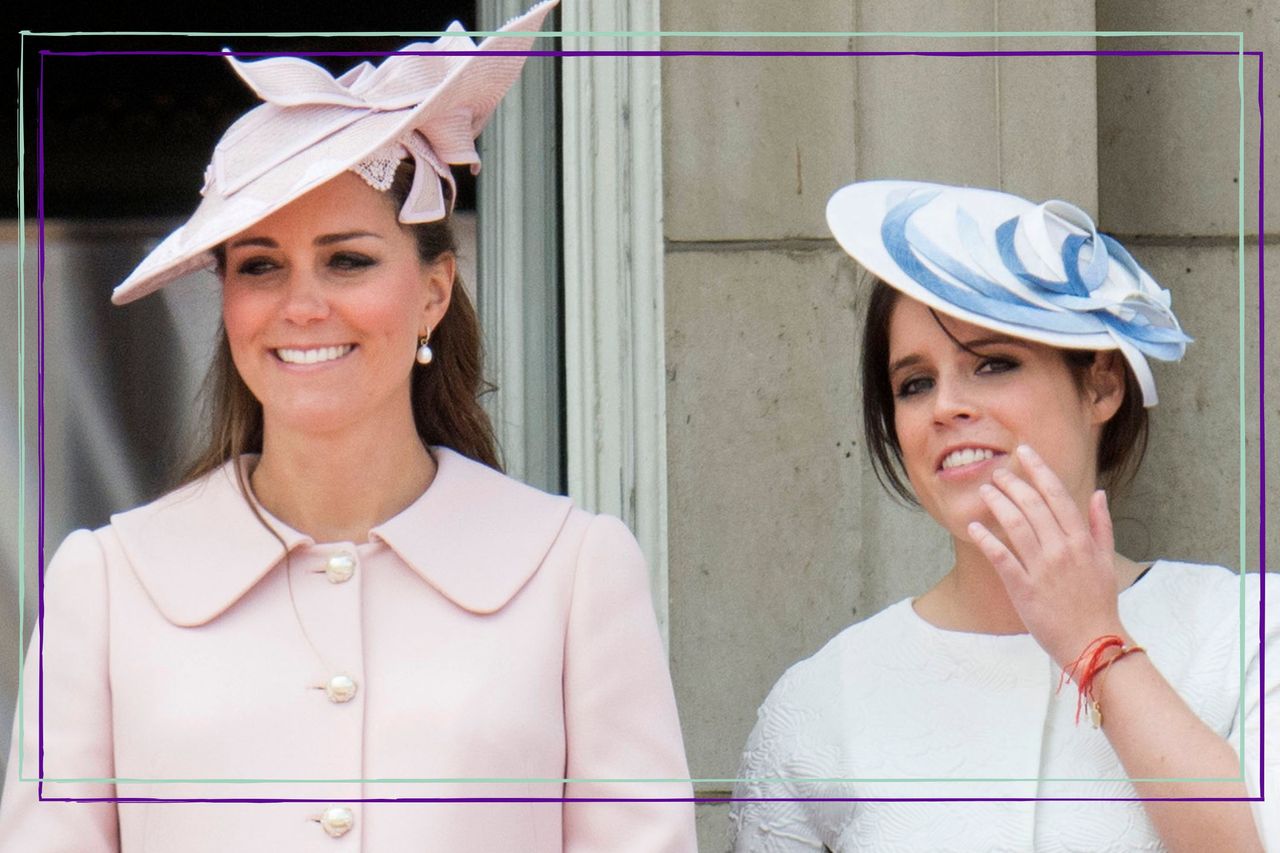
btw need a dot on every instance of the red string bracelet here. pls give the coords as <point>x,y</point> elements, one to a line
<point>1085,669</point>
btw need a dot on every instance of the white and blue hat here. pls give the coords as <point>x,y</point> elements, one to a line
<point>1041,272</point>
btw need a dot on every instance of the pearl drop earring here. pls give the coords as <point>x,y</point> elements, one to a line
<point>424,349</point>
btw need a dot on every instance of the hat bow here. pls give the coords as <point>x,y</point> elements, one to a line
<point>304,104</point>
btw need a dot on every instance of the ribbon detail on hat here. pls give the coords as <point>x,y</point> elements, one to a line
<point>1040,272</point>
<point>1086,299</point>
<point>427,102</point>
<point>304,105</point>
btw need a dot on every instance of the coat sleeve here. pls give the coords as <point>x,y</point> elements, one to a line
<point>77,740</point>
<point>620,710</point>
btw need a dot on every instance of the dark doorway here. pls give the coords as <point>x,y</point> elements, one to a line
<point>126,123</point>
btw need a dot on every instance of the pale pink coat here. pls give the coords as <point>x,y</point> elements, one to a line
<point>493,632</point>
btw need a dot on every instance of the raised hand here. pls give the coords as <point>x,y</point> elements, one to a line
<point>1058,569</point>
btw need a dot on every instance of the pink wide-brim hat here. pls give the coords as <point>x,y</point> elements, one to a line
<point>426,101</point>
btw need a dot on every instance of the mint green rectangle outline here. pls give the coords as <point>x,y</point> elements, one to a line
<point>22,399</point>
<point>1241,385</point>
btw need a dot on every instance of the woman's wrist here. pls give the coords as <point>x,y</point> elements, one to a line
<point>1115,660</point>
<point>1089,669</point>
<point>1069,651</point>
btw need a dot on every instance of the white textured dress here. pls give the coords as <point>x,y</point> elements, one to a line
<point>894,707</point>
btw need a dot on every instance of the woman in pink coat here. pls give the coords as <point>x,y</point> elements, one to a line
<point>346,604</point>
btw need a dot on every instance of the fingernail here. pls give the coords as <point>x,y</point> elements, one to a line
<point>975,529</point>
<point>987,490</point>
<point>1026,452</point>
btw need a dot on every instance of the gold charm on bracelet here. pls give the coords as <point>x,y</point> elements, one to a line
<point>1095,710</point>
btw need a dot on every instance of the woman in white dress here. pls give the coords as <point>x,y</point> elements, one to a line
<point>1048,693</point>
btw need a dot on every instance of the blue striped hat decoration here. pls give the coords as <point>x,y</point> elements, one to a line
<point>1040,272</point>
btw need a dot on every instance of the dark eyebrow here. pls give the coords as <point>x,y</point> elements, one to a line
<point>264,242</point>
<point>997,340</point>
<point>908,361</point>
<point>323,240</point>
<point>329,239</point>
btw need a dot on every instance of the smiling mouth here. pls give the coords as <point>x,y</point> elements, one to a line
<point>967,456</point>
<point>312,356</point>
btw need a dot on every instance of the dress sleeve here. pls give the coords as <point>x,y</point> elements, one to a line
<point>77,716</point>
<point>620,710</point>
<point>1262,690</point>
<point>762,820</point>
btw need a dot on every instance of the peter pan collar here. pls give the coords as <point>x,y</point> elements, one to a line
<point>475,535</point>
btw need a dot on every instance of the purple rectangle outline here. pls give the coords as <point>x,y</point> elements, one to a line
<point>1262,543</point>
<point>663,53</point>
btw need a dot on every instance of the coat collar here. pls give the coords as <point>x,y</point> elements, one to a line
<point>474,535</point>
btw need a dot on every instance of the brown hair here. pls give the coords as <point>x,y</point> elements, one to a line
<point>444,394</point>
<point>1120,448</point>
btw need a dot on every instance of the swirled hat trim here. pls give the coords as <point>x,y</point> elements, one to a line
<point>1040,272</point>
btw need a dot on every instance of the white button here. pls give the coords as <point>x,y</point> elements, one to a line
<point>340,568</point>
<point>337,821</point>
<point>340,688</point>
